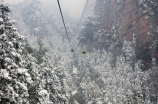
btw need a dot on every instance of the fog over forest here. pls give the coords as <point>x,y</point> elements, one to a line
<point>105,52</point>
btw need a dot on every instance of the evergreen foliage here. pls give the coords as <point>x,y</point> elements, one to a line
<point>23,69</point>
<point>108,76</point>
<point>14,76</point>
<point>38,54</point>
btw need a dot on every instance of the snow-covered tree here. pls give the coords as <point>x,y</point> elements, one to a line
<point>27,74</point>
<point>51,77</point>
<point>118,81</point>
<point>150,88</point>
<point>14,76</point>
<point>32,17</point>
<point>87,31</point>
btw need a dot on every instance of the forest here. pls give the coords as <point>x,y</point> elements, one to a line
<point>100,52</point>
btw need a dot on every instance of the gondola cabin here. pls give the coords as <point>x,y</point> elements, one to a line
<point>83,52</point>
<point>72,50</point>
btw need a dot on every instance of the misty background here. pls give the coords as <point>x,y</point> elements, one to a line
<point>72,9</point>
<point>97,62</point>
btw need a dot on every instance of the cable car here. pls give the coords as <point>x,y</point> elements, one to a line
<point>83,52</point>
<point>72,50</point>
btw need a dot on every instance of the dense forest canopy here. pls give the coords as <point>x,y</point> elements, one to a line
<point>108,56</point>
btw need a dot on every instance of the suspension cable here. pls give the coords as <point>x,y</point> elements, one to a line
<point>83,13</point>
<point>140,16</point>
<point>63,21</point>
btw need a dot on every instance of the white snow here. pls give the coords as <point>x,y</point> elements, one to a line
<point>43,92</point>
<point>1,19</point>
<point>13,53</point>
<point>4,73</point>
<point>29,80</point>
<point>74,70</point>
<point>22,85</point>
<point>74,92</point>
<point>153,61</point>
<point>21,70</point>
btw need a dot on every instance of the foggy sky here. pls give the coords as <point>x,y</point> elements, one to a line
<point>73,7</point>
<point>12,1</point>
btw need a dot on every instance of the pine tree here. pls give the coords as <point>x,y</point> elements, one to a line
<point>87,31</point>
<point>32,66</point>
<point>52,81</point>
<point>32,17</point>
<point>13,75</point>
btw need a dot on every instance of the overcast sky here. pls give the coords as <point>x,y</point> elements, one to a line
<point>73,7</point>
<point>13,1</point>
